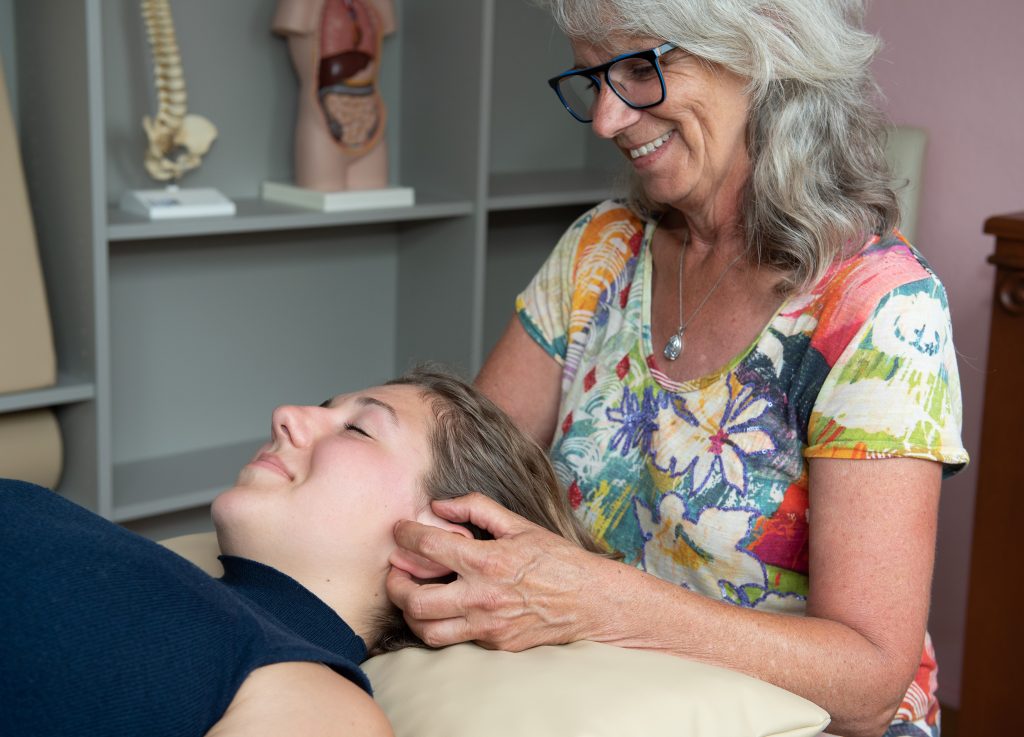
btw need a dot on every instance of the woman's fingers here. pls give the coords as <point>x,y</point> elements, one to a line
<point>448,549</point>
<point>434,612</point>
<point>518,591</point>
<point>455,552</point>
<point>483,512</point>
<point>521,589</point>
<point>423,601</point>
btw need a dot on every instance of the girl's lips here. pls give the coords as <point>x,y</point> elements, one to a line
<point>272,462</point>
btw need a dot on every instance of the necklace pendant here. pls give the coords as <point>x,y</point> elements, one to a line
<point>674,346</point>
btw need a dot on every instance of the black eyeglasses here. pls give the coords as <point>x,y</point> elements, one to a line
<point>635,78</point>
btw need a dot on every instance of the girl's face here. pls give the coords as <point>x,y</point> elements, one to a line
<point>691,148</point>
<point>325,493</point>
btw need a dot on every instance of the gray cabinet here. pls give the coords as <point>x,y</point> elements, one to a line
<point>175,340</point>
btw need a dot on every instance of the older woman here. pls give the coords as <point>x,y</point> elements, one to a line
<point>744,373</point>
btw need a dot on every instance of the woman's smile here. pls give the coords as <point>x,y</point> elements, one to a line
<point>650,147</point>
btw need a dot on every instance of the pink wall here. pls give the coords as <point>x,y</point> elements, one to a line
<point>956,69</point>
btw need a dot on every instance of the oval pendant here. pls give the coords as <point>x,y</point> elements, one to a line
<point>673,347</point>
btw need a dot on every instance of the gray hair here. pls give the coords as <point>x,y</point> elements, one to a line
<point>820,183</point>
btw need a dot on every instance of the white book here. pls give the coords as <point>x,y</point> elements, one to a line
<point>362,199</point>
<point>174,202</point>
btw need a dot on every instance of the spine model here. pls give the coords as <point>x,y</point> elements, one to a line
<point>177,141</point>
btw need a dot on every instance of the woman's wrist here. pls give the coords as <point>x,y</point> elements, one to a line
<point>616,596</point>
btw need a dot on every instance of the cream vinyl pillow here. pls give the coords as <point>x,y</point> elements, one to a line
<point>585,689</point>
<point>581,690</point>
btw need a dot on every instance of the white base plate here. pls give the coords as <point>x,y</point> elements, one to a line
<point>173,202</point>
<point>356,199</point>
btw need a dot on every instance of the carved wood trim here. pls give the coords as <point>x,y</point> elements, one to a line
<point>1011,292</point>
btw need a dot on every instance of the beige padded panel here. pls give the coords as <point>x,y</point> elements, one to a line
<point>905,152</point>
<point>28,360</point>
<point>31,447</point>
<point>585,689</point>
<point>200,548</point>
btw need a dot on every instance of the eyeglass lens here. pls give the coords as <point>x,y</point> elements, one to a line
<point>635,80</point>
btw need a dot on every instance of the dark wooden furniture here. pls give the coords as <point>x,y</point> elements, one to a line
<point>993,646</point>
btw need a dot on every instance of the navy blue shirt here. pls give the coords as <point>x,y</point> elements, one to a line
<point>105,632</point>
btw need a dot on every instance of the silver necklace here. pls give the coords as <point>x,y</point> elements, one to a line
<point>674,346</point>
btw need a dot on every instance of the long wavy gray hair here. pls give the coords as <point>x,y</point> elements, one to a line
<point>820,183</point>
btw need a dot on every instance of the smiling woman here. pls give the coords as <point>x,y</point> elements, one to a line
<point>97,620</point>
<point>743,339</point>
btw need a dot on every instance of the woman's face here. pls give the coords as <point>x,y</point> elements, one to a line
<point>327,490</point>
<point>697,152</point>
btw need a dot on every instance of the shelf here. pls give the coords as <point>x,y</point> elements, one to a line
<point>68,390</point>
<point>533,189</point>
<point>257,215</point>
<point>173,483</point>
<point>126,291</point>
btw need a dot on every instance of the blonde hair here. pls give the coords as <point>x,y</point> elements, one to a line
<point>820,183</point>
<point>476,447</point>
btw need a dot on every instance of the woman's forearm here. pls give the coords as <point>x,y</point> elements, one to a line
<point>860,683</point>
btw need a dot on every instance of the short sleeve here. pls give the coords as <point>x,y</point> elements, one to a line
<point>545,306</point>
<point>895,389</point>
<point>559,305</point>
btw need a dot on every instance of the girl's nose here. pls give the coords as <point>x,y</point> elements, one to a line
<point>292,424</point>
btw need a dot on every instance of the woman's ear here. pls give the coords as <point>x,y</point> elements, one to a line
<point>421,567</point>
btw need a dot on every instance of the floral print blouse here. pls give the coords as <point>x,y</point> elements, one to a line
<point>704,483</point>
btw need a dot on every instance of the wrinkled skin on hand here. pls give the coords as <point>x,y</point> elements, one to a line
<point>524,588</point>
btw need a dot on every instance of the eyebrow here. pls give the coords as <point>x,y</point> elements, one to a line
<point>373,402</point>
<point>368,401</point>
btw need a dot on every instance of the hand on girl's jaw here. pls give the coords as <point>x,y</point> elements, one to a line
<point>522,589</point>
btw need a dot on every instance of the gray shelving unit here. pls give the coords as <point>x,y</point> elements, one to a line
<point>176,340</point>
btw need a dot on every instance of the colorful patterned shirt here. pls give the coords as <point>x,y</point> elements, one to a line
<point>704,483</point>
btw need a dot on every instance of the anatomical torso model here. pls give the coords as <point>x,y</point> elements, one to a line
<point>335,48</point>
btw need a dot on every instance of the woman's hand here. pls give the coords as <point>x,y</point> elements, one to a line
<point>526,587</point>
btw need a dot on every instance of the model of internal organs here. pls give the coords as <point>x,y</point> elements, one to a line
<point>350,40</point>
<point>177,140</point>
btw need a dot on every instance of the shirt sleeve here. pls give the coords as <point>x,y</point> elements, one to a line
<point>559,305</point>
<point>545,306</point>
<point>895,389</point>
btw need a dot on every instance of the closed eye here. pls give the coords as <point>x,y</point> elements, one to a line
<point>356,428</point>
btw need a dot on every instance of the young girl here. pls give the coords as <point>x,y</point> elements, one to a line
<point>105,632</point>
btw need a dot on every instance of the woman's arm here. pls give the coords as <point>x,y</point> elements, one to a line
<point>872,538</point>
<point>301,698</point>
<point>522,379</point>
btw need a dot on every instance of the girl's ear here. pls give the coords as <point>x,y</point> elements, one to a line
<point>417,565</point>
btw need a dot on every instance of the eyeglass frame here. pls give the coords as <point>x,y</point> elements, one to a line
<point>651,55</point>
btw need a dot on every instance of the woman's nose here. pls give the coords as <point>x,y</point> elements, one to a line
<point>293,425</point>
<point>610,114</point>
